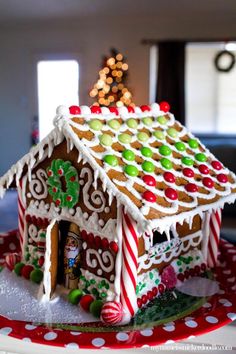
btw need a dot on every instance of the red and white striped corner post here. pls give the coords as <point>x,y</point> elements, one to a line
<point>214,238</point>
<point>21,216</point>
<point>128,278</point>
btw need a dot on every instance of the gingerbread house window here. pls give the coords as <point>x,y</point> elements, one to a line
<point>159,238</point>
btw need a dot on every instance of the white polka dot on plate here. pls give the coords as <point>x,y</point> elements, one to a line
<point>5,330</point>
<point>145,346</point>
<point>225,302</point>
<point>72,346</point>
<point>147,332</point>
<point>12,246</point>
<point>191,323</point>
<point>169,327</point>
<point>231,280</point>
<point>211,319</point>
<point>232,251</point>
<point>122,336</point>
<point>227,271</point>
<point>50,336</point>
<point>98,342</point>
<point>190,337</point>
<point>170,341</point>
<point>30,327</point>
<point>26,339</point>
<point>75,333</point>
<point>206,305</point>
<point>231,316</point>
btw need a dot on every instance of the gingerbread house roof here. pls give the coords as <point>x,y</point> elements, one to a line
<point>154,166</point>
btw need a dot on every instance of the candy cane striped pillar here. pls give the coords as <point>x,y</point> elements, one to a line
<point>128,278</point>
<point>21,215</point>
<point>214,238</point>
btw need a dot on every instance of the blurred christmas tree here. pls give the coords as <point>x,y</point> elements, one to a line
<point>110,89</point>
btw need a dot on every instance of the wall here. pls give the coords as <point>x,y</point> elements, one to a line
<point>88,40</point>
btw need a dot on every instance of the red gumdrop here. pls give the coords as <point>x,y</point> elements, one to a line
<point>191,272</point>
<point>90,238</point>
<point>105,243</point>
<point>113,246</point>
<point>191,187</point>
<point>114,110</point>
<point>186,274</point>
<point>139,303</point>
<point>154,291</point>
<point>203,169</point>
<point>84,234</point>
<point>96,109</point>
<point>169,177</point>
<point>180,276</point>
<point>203,266</point>
<point>168,277</point>
<point>41,261</point>
<point>145,108</point>
<point>149,197</point>
<point>164,106</point>
<point>208,182</point>
<point>26,270</point>
<point>97,241</point>
<point>72,179</point>
<point>171,193</point>
<point>75,110</point>
<point>58,202</point>
<point>161,288</point>
<point>149,180</point>
<point>149,295</point>
<point>222,178</point>
<point>188,172</point>
<point>130,109</point>
<point>86,301</point>
<point>28,218</point>
<point>197,269</point>
<point>144,299</point>
<point>216,165</point>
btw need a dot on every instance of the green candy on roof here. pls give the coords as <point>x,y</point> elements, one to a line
<point>164,150</point>
<point>125,138</point>
<point>96,124</point>
<point>148,166</point>
<point>132,123</point>
<point>128,155</point>
<point>105,139</point>
<point>166,163</point>
<point>201,157</point>
<point>159,135</point>
<point>131,170</point>
<point>172,132</point>
<point>114,124</point>
<point>187,161</point>
<point>180,146</point>
<point>147,121</point>
<point>162,120</point>
<point>142,136</point>
<point>193,143</point>
<point>147,152</point>
<point>111,160</point>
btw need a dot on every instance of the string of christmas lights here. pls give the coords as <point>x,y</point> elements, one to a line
<point>110,89</point>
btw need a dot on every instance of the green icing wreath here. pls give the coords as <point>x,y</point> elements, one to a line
<point>55,172</point>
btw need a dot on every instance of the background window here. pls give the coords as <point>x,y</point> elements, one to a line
<point>58,84</point>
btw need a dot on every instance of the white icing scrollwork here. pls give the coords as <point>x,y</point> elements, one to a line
<point>106,261</point>
<point>97,197</point>
<point>38,186</point>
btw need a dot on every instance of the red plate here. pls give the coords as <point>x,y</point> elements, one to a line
<point>205,315</point>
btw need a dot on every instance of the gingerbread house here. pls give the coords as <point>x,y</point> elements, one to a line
<point>139,196</point>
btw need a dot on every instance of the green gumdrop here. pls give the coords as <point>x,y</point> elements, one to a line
<point>111,160</point>
<point>162,120</point>
<point>147,152</point>
<point>172,132</point>
<point>125,138</point>
<point>193,143</point>
<point>148,166</point>
<point>132,123</point>
<point>201,157</point>
<point>187,161</point>
<point>95,308</point>
<point>142,136</point>
<point>18,267</point>
<point>95,124</point>
<point>105,139</point>
<point>114,124</point>
<point>159,135</point>
<point>147,121</point>
<point>74,296</point>
<point>36,276</point>
<point>164,150</point>
<point>166,163</point>
<point>128,155</point>
<point>131,170</point>
<point>180,146</point>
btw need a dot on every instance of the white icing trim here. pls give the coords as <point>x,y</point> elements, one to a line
<point>102,260</point>
<point>47,262</point>
<point>38,186</point>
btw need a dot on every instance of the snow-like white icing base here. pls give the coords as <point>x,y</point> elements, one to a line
<point>18,301</point>
<point>198,286</point>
